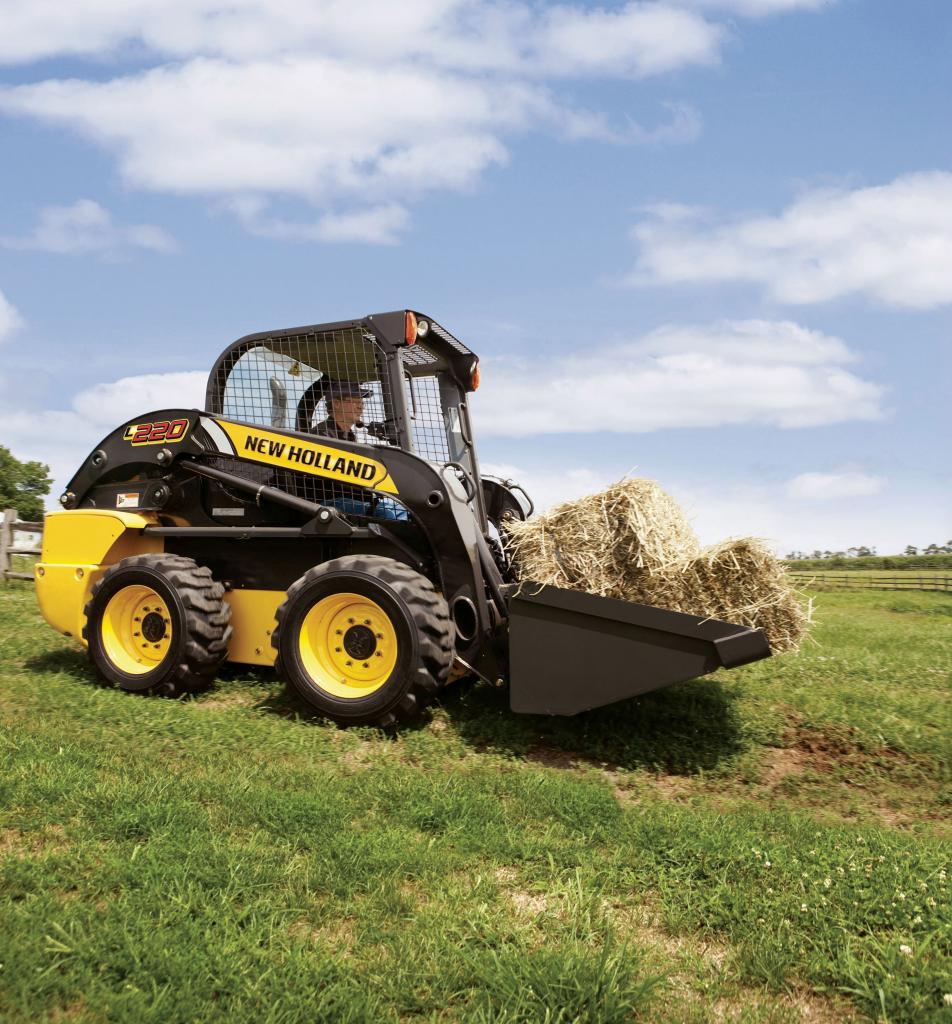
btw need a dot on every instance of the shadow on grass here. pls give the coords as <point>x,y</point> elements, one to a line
<point>683,729</point>
<point>67,662</point>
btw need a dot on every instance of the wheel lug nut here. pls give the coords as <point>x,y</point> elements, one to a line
<point>337,650</point>
<point>338,632</point>
<point>351,621</point>
<point>379,655</point>
<point>349,663</point>
<point>366,622</point>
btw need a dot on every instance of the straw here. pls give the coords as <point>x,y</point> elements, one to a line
<point>632,541</point>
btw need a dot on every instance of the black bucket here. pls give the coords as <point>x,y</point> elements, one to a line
<point>569,651</point>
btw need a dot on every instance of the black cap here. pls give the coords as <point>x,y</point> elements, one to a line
<point>343,389</point>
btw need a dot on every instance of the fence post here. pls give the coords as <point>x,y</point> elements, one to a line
<point>6,541</point>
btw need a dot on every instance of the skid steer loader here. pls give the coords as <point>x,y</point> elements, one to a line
<point>362,560</point>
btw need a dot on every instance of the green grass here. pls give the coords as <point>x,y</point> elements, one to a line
<point>762,845</point>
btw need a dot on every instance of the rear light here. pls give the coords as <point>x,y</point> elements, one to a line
<point>474,380</point>
<point>410,334</point>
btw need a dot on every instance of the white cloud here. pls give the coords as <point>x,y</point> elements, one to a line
<point>62,438</point>
<point>891,243</point>
<point>736,508</point>
<point>10,319</point>
<point>732,373</point>
<point>548,487</point>
<point>357,107</point>
<point>380,225</point>
<point>832,486</point>
<point>759,8</point>
<point>636,38</point>
<point>86,227</point>
<point>113,403</point>
<point>311,127</point>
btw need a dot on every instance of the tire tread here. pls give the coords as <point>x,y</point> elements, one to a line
<point>428,609</point>
<point>207,618</point>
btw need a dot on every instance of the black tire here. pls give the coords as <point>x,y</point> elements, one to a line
<point>419,617</point>
<point>194,628</point>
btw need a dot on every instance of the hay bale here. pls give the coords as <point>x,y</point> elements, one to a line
<point>602,542</point>
<point>738,581</point>
<point>633,542</point>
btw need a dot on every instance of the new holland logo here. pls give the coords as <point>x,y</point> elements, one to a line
<point>307,457</point>
<point>159,432</point>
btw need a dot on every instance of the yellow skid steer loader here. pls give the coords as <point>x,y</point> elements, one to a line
<point>325,513</point>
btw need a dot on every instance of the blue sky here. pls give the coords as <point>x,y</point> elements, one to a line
<point>709,241</point>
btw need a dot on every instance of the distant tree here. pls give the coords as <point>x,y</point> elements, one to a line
<point>23,485</point>
<point>911,550</point>
<point>932,549</point>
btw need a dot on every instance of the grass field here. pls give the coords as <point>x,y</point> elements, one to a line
<point>770,844</point>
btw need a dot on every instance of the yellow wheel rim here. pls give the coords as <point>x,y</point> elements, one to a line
<point>348,645</point>
<point>136,630</point>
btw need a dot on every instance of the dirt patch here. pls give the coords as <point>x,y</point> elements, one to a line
<point>552,757</point>
<point>524,902</point>
<point>783,762</point>
<point>672,787</point>
<point>641,925</point>
<point>50,839</point>
<point>835,756</point>
<point>805,1007</point>
<point>829,750</point>
<point>338,935</point>
<point>75,1011</point>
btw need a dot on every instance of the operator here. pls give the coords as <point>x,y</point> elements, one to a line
<point>345,406</point>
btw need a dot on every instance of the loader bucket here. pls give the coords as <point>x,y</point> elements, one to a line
<point>570,651</point>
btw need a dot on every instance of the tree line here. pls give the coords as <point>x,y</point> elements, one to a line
<point>861,551</point>
<point>23,485</point>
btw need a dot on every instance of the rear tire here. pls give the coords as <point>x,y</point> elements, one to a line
<point>365,640</point>
<point>157,624</point>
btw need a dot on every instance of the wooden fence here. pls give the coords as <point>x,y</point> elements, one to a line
<point>10,526</point>
<point>868,580</point>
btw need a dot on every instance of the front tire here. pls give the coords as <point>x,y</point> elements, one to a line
<point>365,640</point>
<point>157,624</point>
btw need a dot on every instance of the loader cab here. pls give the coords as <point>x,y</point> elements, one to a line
<point>412,373</point>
